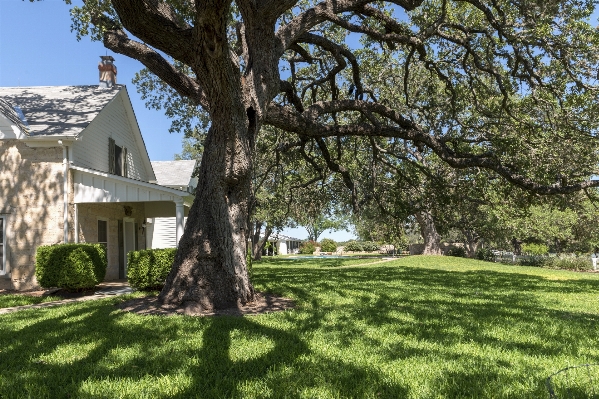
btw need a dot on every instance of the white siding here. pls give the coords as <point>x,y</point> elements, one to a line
<point>92,150</point>
<point>162,232</point>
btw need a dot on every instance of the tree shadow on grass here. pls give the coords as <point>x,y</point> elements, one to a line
<point>92,350</point>
<point>406,320</point>
<point>499,315</point>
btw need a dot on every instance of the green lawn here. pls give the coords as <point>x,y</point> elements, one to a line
<point>418,327</point>
<point>10,300</point>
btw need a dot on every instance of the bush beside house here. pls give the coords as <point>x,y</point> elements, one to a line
<point>74,267</point>
<point>148,269</point>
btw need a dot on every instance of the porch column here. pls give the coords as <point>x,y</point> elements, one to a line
<point>76,223</point>
<point>65,172</point>
<point>180,220</point>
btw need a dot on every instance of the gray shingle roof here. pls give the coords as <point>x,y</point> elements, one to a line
<point>173,173</point>
<point>59,110</point>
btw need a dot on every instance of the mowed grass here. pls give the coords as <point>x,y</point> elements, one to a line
<point>10,300</point>
<point>418,327</point>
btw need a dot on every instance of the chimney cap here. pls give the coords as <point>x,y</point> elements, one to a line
<point>107,58</point>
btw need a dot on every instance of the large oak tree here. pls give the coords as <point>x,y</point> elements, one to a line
<point>496,80</point>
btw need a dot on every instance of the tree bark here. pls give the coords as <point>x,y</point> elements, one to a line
<point>258,243</point>
<point>432,239</point>
<point>472,242</point>
<point>210,266</point>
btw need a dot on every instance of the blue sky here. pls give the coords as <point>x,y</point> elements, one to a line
<point>37,48</point>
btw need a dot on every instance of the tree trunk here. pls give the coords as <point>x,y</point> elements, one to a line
<point>472,242</point>
<point>257,228</point>
<point>432,239</point>
<point>210,265</point>
<point>258,243</point>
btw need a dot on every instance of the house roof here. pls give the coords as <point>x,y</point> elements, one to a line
<point>8,111</point>
<point>174,173</point>
<point>282,237</point>
<point>58,110</point>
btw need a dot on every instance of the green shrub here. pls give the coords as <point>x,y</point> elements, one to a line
<point>74,267</point>
<point>535,249</point>
<point>308,247</point>
<point>485,254</point>
<point>533,260</point>
<point>328,245</point>
<point>459,252</point>
<point>148,269</point>
<point>370,246</point>
<point>353,246</point>
<point>571,262</point>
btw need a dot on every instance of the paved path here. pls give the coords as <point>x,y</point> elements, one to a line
<point>106,289</point>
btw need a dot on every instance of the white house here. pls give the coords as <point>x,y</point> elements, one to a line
<point>74,168</point>
<point>160,231</point>
<point>281,245</point>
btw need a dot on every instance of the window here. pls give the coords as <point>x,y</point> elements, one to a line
<point>103,233</point>
<point>2,245</point>
<point>117,159</point>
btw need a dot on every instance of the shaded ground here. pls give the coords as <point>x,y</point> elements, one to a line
<point>263,303</point>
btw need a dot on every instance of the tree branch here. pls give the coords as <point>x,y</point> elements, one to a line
<point>156,24</point>
<point>117,41</point>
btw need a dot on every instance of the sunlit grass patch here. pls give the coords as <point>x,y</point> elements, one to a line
<point>12,300</point>
<point>419,327</point>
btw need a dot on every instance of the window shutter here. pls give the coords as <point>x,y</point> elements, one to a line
<point>111,155</point>
<point>125,163</point>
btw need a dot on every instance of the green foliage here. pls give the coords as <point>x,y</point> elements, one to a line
<point>533,260</point>
<point>535,249</point>
<point>11,300</point>
<point>328,245</point>
<point>485,254</point>
<point>73,267</point>
<point>148,269</point>
<point>459,252</point>
<point>369,246</point>
<point>353,246</point>
<point>569,262</point>
<point>308,247</point>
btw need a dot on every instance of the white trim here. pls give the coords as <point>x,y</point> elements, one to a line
<point>76,223</point>
<point>65,172</point>
<point>125,221</point>
<point>4,266</point>
<point>180,222</point>
<point>47,141</point>
<point>101,187</point>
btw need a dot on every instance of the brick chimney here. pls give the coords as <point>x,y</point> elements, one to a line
<point>107,72</point>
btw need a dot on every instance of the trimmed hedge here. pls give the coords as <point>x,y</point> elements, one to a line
<point>148,269</point>
<point>73,267</point>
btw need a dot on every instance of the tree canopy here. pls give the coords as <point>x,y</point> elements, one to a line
<point>505,86</point>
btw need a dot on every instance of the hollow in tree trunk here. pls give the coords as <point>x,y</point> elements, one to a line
<point>432,239</point>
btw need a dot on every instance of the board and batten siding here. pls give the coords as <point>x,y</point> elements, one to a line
<point>92,150</point>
